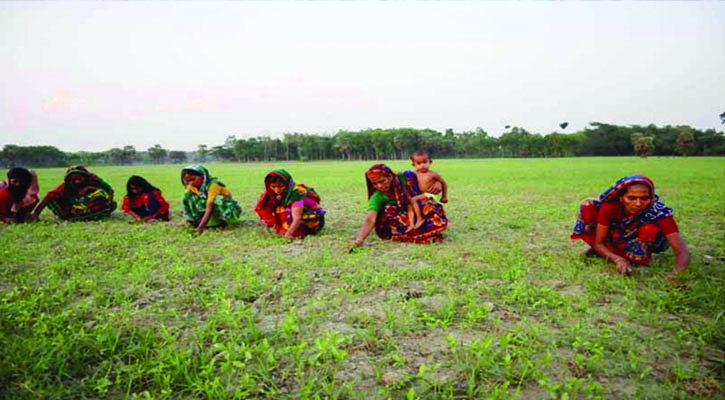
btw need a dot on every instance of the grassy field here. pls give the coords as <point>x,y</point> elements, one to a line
<point>506,307</point>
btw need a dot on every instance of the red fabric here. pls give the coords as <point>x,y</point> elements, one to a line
<point>6,203</point>
<point>609,212</point>
<point>21,212</point>
<point>668,225</point>
<point>142,200</point>
<point>264,210</point>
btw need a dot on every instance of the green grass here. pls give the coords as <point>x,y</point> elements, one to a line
<point>506,307</point>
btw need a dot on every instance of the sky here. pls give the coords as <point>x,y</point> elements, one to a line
<point>97,75</point>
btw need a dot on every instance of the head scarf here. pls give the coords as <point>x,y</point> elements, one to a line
<point>291,194</point>
<point>207,178</point>
<point>612,194</point>
<point>396,190</point>
<point>268,200</point>
<point>90,180</point>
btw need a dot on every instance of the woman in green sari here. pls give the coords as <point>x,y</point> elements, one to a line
<point>207,202</point>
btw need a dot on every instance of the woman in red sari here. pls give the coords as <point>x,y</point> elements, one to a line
<point>628,223</point>
<point>389,200</point>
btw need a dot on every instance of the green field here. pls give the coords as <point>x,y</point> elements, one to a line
<point>506,307</point>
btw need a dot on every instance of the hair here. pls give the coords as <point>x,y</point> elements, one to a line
<point>20,173</point>
<point>138,181</point>
<point>625,190</point>
<point>274,179</point>
<point>18,193</point>
<point>419,153</point>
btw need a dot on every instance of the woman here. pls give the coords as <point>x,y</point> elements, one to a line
<point>628,224</point>
<point>18,195</point>
<point>293,210</point>
<point>389,197</point>
<point>144,202</point>
<point>207,202</point>
<point>82,196</point>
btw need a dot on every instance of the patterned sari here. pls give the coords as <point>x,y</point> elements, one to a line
<point>225,211</point>
<point>392,220</point>
<point>635,237</point>
<point>279,213</point>
<point>68,204</point>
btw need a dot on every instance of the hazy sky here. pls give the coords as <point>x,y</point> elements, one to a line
<point>89,75</point>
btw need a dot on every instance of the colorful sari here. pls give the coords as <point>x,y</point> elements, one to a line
<point>392,221</point>
<point>68,204</point>
<point>278,213</point>
<point>225,211</point>
<point>635,237</point>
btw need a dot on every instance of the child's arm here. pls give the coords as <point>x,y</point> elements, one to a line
<point>444,187</point>
<point>296,221</point>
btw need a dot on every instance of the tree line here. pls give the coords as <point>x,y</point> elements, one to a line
<point>597,139</point>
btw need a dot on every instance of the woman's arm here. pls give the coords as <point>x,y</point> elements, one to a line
<point>135,216</point>
<point>205,218</point>
<point>296,221</point>
<point>38,209</point>
<point>682,255</point>
<point>622,263</point>
<point>367,227</point>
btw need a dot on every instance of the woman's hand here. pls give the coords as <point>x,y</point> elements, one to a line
<point>623,266</point>
<point>205,219</point>
<point>367,226</point>
<point>355,245</point>
<point>682,254</point>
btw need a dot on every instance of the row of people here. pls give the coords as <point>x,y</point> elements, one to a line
<point>626,224</point>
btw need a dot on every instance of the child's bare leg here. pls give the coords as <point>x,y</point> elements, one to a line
<point>411,219</point>
<point>418,215</point>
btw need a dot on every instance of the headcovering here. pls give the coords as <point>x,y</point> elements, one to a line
<point>201,170</point>
<point>396,190</point>
<point>612,194</point>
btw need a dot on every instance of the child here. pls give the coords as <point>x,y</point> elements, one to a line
<point>144,202</point>
<point>293,209</point>
<point>207,201</point>
<point>430,182</point>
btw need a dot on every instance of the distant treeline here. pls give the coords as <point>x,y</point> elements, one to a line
<point>598,139</point>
